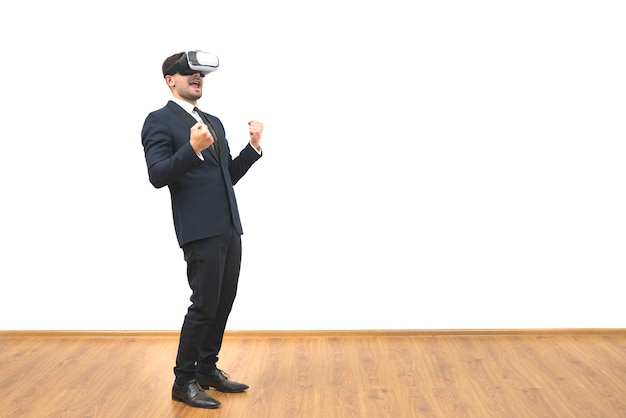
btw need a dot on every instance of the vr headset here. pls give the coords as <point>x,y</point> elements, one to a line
<point>193,62</point>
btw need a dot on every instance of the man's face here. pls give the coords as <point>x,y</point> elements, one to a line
<point>186,87</point>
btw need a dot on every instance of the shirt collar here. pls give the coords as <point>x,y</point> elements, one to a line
<point>185,105</point>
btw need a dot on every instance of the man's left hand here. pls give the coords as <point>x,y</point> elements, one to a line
<point>256,130</point>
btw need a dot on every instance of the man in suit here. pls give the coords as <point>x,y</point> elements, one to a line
<point>186,150</point>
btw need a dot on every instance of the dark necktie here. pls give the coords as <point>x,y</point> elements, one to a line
<point>214,148</point>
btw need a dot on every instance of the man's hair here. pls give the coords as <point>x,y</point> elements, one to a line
<point>170,61</point>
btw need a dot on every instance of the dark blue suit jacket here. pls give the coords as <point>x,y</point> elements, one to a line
<point>203,199</point>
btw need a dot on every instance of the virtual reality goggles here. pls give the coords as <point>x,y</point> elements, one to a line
<point>193,62</point>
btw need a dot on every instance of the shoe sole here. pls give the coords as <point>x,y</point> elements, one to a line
<point>180,399</point>
<point>207,387</point>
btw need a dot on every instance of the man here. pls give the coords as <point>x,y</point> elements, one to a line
<point>186,150</point>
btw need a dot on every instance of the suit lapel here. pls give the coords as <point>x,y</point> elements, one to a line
<point>215,150</point>
<point>183,115</point>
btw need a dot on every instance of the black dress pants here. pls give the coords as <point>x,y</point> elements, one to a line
<point>213,273</point>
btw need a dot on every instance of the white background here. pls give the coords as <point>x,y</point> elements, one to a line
<point>428,165</point>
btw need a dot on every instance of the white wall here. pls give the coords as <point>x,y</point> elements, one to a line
<point>428,165</point>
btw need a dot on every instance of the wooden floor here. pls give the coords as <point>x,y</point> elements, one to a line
<point>323,375</point>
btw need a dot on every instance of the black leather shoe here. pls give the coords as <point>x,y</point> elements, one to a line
<point>218,380</point>
<point>193,395</point>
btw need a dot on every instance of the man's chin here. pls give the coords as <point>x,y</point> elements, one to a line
<point>193,96</point>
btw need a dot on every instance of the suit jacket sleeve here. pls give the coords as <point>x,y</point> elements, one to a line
<point>166,163</point>
<point>240,165</point>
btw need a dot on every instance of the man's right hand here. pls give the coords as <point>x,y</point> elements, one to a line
<point>200,138</point>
